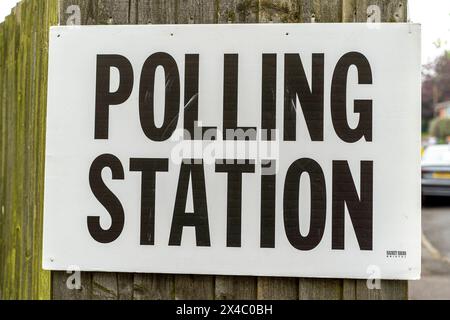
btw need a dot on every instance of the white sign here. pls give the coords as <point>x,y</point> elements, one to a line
<point>265,150</point>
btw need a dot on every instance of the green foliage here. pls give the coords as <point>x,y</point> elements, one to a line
<point>425,126</point>
<point>435,84</point>
<point>440,129</point>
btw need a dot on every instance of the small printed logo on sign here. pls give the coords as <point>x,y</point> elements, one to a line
<point>396,254</point>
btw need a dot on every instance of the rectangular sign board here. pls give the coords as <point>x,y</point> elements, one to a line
<point>264,150</point>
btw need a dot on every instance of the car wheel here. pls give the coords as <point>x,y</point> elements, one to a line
<point>425,201</point>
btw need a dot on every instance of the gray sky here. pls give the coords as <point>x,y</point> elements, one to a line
<point>434,15</point>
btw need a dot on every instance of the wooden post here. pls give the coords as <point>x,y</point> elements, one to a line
<point>23,66</point>
<point>23,88</point>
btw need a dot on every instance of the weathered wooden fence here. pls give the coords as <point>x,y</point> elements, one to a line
<point>23,61</point>
<point>23,91</point>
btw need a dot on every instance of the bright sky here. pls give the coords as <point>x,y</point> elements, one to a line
<point>5,8</point>
<point>434,15</point>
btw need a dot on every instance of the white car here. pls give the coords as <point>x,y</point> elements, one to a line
<point>436,171</point>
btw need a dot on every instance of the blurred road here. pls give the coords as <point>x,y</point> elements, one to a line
<point>435,283</point>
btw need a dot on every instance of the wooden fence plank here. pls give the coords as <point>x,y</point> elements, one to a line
<point>389,290</point>
<point>125,286</point>
<point>113,12</point>
<point>300,11</point>
<point>275,12</point>
<point>34,230</point>
<point>77,12</point>
<point>3,81</point>
<point>321,11</point>
<point>4,216</point>
<point>193,11</point>
<point>349,289</point>
<point>235,11</point>
<point>232,287</point>
<point>2,151</point>
<point>105,286</point>
<point>60,291</point>
<point>26,115</point>
<point>278,11</point>
<point>18,156</point>
<point>320,289</point>
<point>153,11</point>
<point>153,287</point>
<point>313,11</point>
<point>349,10</point>
<point>98,12</point>
<point>236,288</point>
<point>270,288</point>
<point>381,11</point>
<point>48,15</point>
<point>194,287</point>
<point>41,279</point>
<point>10,291</point>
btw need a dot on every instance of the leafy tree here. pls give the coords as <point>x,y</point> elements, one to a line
<point>435,84</point>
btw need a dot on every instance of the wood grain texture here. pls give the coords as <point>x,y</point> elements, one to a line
<point>348,289</point>
<point>153,287</point>
<point>125,286</point>
<point>271,288</point>
<point>22,169</point>
<point>195,11</point>
<point>2,152</point>
<point>194,287</point>
<point>349,10</point>
<point>112,286</point>
<point>95,12</point>
<point>153,11</point>
<point>105,286</point>
<point>390,10</point>
<point>238,11</point>
<point>23,70</point>
<point>60,290</point>
<point>236,288</point>
<point>69,9</point>
<point>113,12</point>
<point>321,11</point>
<point>277,11</point>
<point>9,250</point>
<point>390,290</point>
<point>320,289</point>
<point>48,15</point>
